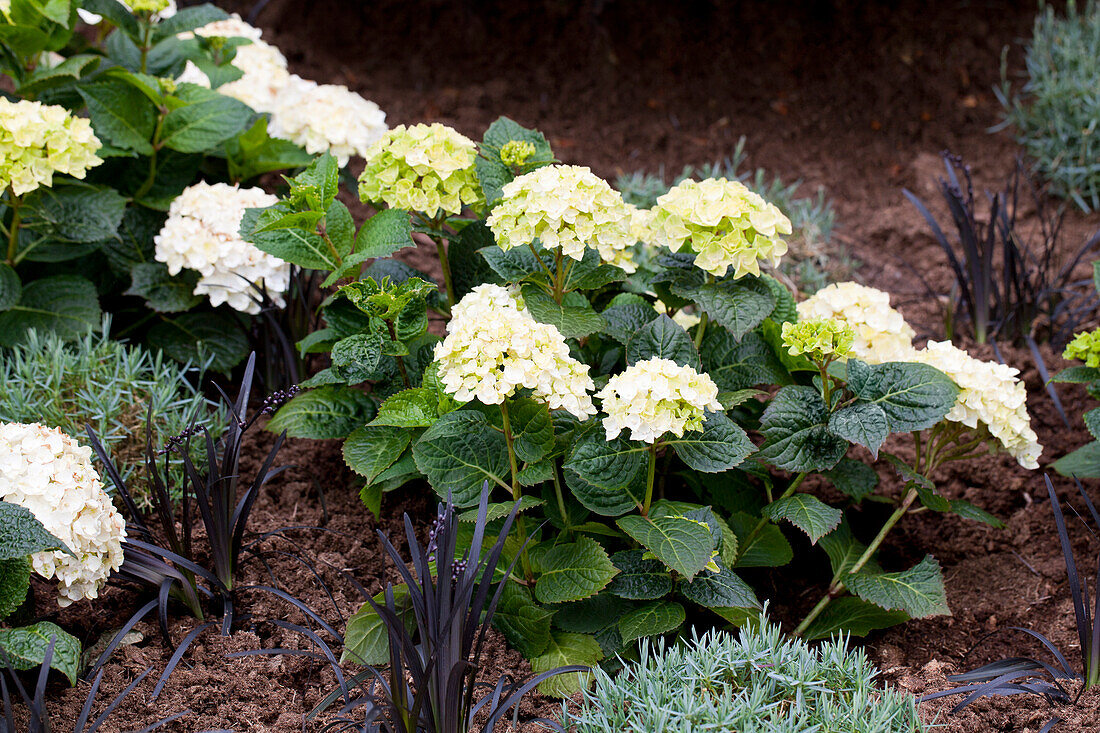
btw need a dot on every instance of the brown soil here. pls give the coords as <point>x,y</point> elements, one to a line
<point>856,97</point>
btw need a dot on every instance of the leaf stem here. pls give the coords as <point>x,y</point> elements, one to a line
<point>152,177</point>
<point>701,329</point>
<point>525,559</point>
<point>651,472</point>
<point>744,545</point>
<point>445,265</point>
<point>13,231</point>
<point>561,498</point>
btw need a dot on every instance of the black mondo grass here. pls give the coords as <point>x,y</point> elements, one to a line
<point>431,680</point>
<point>1030,676</point>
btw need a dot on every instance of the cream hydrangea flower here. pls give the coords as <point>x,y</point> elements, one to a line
<point>50,474</point>
<point>38,140</point>
<point>724,223</point>
<point>327,118</point>
<point>641,223</point>
<point>424,168</point>
<point>881,333</point>
<point>201,234</point>
<point>263,67</point>
<point>565,207</point>
<point>657,396</point>
<point>990,394</point>
<point>494,348</point>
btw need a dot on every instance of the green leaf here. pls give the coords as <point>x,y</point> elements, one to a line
<point>1081,463</point>
<point>574,570</point>
<point>603,473</point>
<point>188,19</point>
<point>532,430</point>
<point>563,649</point>
<point>365,639</point>
<point>1077,374</point>
<point>574,318</point>
<point>386,232</point>
<point>736,365</point>
<point>719,446</point>
<point>66,305</point>
<point>134,243</point>
<point>10,287</point>
<point>795,435</point>
<point>652,619</point>
<point>459,453</point>
<point>501,510</point>
<point>491,170</point>
<point>768,549</point>
<point>303,248</point>
<point>15,581</point>
<point>21,533</point>
<point>966,510</point>
<point>26,648</point>
<point>682,544</point>
<point>592,614</point>
<point>255,152</point>
<point>515,265</point>
<point>738,305</point>
<point>592,273</point>
<point>854,478</point>
<point>844,550</point>
<point>354,358</point>
<point>913,396</point>
<point>852,616</point>
<point>162,292</point>
<point>662,338</point>
<point>121,114</point>
<point>468,268</point>
<point>918,591</point>
<point>332,411</point>
<point>370,450</point>
<point>1092,421</point>
<point>197,337</point>
<point>806,512</point>
<point>524,623</point>
<point>205,120</point>
<point>74,212</point>
<point>623,320</point>
<point>863,423</point>
<point>723,589</point>
<point>639,579</point>
<point>411,408</point>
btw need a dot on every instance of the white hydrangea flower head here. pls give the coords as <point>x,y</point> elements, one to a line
<point>494,348</point>
<point>263,67</point>
<point>201,234</point>
<point>565,207</point>
<point>163,9</point>
<point>327,118</point>
<point>989,394</point>
<point>641,223</point>
<point>427,168</point>
<point>724,223</point>
<point>657,396</point>
<point>38,140</point>
<point>881,333</point>
<point>52,476</point>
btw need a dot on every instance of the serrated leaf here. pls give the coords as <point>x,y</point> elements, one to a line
<point>913,396</point>
<point>806,512</point>
<point>26,648</point>
<point>592,614</point>
<point>738,305</point>
<point>162,292</point>
<point>591,273</point>
<point>853,616</point>
<point>468,268</point>
<point>653,619</point>
<point>365,639</point>
<point>854,478</point>
<point>639,579</point>
<point>863,423</point>
<point>370,450</point>
<point>662,338</point>
<point>22,534</point>
<point>1081,463</point>
<point>966,510</point>
<point>459,453</point>
<point>622,321</point>
<point>514,265</point>
<point>719,446</point>
<point>10,287</point>
<point>918,591</point>
<point>66,305</point>
<point>574,570</point>
<point>603,473</point>
<point>1077,374</point>
<point>303,248</point>
<point>574,318</point>
<point>492,173</point>
<point>844,550</point>
<point>682,544</point>
<point>74,212</point>
<point>737,365</point>
<point>566,648</point>
<point>411,408</point>
<point>205,120</point>
<point>501,510</point>
<point>532,429</point>
<point>332,411</point>
<point>386,232</point>
<point>795,434</point>
<point>768,549</point>
<point>15,581</point>
<point>255,152</point>
<point>198,337</point>
<point>524,623</point>
<point>723,589</point>
<point>120,113</point>
<point>188,19</point>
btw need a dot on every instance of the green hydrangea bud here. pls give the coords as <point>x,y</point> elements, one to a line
<point>515,153</point>
<point>819,338</point>
<point>1085,347</point>
<point>148,6</point>
<point>167,86</point>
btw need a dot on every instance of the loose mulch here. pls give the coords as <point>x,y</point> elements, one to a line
<point>859,98</point>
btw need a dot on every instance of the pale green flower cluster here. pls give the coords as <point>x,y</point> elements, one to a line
<point>990,394</point>
<point>38,140</point>
<point>724,223</point>
<point>881,333</point>
<point>495,348</point>
<point>148,6</point>
<point>516,152</point>
<point>657,396</point>
<point>424,168</point>
<point>818,338</point>
<point>565,207</point>
<point>1085,347</point>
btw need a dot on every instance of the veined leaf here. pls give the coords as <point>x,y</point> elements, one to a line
<point>854,616</point>
<point>719,446</point>
<point>795,434</point>
<point>565,648</point>
<point>459,452</point>
<point>665,339</point>
<point>639,579</point>
<point>682,544</point>
<point>653,619</point>
<point>332,411</point>
<point>806,512</point>
<point>918,591</point>
<point>574,570</point>
<point>723,589</point>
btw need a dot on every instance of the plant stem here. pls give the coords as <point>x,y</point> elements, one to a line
<point>561,499</point>
<point>651,472</point>
<point>743,545</point>
<point>147,36</point>
<point>701,329</point>
<point>445,265</point>
<point>400,360</point>
<point>13,232</point>
<point>525,560</point>
<point>152,177</point>
<point>559,279</point>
